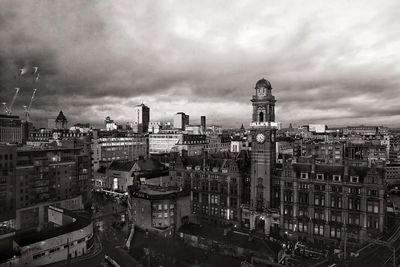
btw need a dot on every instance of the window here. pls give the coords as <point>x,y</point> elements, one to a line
<point>336,202</point>
<point>335,232</point>
<point>372,192</point>
<point>304,186</point>
<point>304,175</point>
<point>373,222</point>
<point>303,227</point>
<point>354,179</point>
<point>303,211</point>
<point>355,190</point>
<point>288,210</point>
<point>288,196</point>
<point>319,215</point>
<point>319,200</point>
<point>159,207</point>
<point>318,229</point>
<point>336,178</point>
<point>320,176</point>
<point>336,217</point>
<point>214,199</point>
<point>303,197</point>
<point>354,203</point>
<point>373,206</point>
<point>354,219</point>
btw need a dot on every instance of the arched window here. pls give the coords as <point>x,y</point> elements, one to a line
<point>261,116</point>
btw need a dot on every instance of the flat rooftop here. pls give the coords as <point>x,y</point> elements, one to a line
<point>213,232</point>
<point>25,238</point>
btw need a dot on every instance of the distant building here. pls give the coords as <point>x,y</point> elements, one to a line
<point>10,129</point>
<point>193,129</point>
<point>203,124</point>
<point>156,126</point>
<point>108,146</point>
<point>217,143</point>
<point>61,121</point>
<point>392,173</point>
<point>80,127</point>
<point>317,128</point>
<point>110,124</point>
<point>365,130</point>
<point>181,120</point>
<point>141,119</point>
<point>176,141</point>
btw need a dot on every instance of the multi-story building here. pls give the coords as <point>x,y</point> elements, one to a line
<point>141,119</point>
<point>156,209</point>
<point>155,126</point>
<point>325,152</point>
<point>117,145</point>
<point>175,141</point>
<point>331,203</point>
<point>10,129</point>
<point>8,162</point>
<point>61,121</point>
<point>181,120</point>
<point>50,174</point>
<point>392,172</point>
<point>218,143</point>
<point>215,186</point>
<point>119,175</point>
<point>110,124</point>
<point>367,151</point>
<point>203,124</point>
<point>68,235</point>
<point>365,130</point>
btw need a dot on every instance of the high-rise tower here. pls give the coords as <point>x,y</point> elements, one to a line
<point>263,130</point>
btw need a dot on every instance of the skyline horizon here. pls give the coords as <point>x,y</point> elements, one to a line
<point>331,63</point>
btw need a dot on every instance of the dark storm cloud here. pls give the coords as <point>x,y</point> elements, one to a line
<point>328,62</point>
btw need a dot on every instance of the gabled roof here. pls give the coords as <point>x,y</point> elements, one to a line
<point>121,165</point>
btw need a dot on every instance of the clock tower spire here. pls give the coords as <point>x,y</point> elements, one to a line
<point>263,130</point>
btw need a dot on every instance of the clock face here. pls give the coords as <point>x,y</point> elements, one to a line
<point>260,138</point>
<point>261,91</point>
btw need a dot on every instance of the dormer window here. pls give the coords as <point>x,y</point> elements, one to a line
<point>354,179</point>
<point>304,175</point>
<point>336,178</point>
<point>320,176</point>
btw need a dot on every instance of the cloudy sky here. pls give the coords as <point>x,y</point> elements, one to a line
<point>333,62</point>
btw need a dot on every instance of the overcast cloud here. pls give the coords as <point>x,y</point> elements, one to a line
<point>333,62</point>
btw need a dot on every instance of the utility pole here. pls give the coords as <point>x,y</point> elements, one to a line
<point>394,256</point>
<point>67,251</point>
<point>345,242</point>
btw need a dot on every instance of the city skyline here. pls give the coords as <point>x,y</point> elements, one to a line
<point>331,63</point>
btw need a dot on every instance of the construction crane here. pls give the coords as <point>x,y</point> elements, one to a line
<point>9,109</point>
<point>28,108</point>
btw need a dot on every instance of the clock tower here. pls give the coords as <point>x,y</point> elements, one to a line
<point>263,130</point>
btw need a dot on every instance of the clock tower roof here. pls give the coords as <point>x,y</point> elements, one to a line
<point>263,83</point>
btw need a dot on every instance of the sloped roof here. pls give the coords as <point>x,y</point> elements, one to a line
<point>150,164</point>
<point>121,165</point>
<point>61,116</point>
